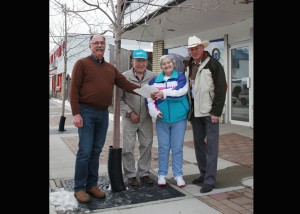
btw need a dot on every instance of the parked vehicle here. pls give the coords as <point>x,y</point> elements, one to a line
<point>244,96</point>
<point>234,99</point>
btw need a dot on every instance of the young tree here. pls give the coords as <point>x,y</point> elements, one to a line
<point>114,11</point>
<point>94,13</point>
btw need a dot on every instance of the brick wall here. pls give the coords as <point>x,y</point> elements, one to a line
<point>158,50</point>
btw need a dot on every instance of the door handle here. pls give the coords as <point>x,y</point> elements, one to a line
<point>248,82</point>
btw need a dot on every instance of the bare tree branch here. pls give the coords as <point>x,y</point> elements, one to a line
<point>96,6</point>
<point>115,11</point>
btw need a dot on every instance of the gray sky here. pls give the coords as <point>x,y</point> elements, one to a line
<point>74,24</point>
<point>99,19</point>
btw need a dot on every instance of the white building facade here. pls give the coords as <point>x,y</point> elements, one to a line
<point>227,24</point>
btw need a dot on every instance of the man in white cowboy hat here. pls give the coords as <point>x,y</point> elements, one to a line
<point>207,97</point>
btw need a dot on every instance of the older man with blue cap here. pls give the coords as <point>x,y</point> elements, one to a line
<point>137,121</point>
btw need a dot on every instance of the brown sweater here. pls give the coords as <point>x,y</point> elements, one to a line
<point>92,84</point>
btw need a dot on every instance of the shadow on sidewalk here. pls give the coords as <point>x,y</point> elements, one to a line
<point>229,177</point>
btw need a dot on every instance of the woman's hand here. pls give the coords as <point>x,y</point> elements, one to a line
<point>159,115</point>
<point>154,95</point>
<point>157,95</point>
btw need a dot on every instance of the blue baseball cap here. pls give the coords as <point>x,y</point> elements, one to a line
<point>139,54</point>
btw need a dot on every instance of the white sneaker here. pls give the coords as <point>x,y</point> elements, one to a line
<point>162,180</point>
<point>180,181</point>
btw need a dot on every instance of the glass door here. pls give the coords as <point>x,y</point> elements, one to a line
<point>239,85</point>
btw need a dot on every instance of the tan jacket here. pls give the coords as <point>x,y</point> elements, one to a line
<point>132,102</point>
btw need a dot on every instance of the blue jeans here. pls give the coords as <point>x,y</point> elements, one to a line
<point>91,141</point>
<point>170,136</point>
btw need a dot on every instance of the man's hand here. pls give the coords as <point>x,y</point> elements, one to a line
<point>134,118</point>
<point>78,121</point>
<point>214,119</point>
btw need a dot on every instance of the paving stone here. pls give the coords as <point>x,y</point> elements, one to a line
<point>58,183</point>
<point>52,185</point>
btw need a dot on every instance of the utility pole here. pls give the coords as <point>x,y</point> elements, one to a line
<point>62,117</point>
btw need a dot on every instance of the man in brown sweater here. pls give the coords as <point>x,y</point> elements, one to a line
<point>91,93</point>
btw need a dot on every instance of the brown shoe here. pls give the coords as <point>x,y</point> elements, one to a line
<point>133,182</point>
<point>147,180</point>
<point>82,197</point>
<point>95,192</point>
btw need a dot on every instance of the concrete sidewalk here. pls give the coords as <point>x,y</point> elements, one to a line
<point>233,192</point>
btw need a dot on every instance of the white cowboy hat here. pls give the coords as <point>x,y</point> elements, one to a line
<point>194,41</point>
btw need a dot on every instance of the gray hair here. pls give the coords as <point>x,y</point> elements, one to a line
<point>91,37</point>
<point>167,56</point>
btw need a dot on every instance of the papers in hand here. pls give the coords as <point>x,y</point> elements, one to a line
<point>145,91</point>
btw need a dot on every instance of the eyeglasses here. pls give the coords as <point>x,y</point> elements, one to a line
<point>98,43</point>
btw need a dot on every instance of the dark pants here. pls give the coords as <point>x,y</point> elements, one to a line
<point>206,142</point>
